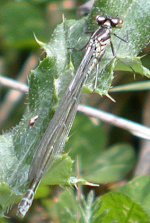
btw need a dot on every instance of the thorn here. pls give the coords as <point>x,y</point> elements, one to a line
<point>92,184</point>
<point>63,18</point>
<point>108,96</point>
<point>75,185</point>
<point>41,44</point>
<point>140,57</point>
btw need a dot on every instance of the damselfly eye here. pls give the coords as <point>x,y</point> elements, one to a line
<point>100,19</point>
<point>116,22</point>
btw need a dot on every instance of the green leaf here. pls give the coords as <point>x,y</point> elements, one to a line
<point>42,192</point>
<point>20,144</point>
<point>66,36</point>
<point>133,65</point>
<point>112,165</point>
<point>7,157</point>
<point>87,144</point>
<point>86,138</point>
<point>116,207</point>
<point>60,172</point>
<point>70,209</point>
<point>66,209</point>
<point>7,160</point>
<point>42,102</point>
<point>112,207</point>
<point>7,198</point>
<point>138,190</point>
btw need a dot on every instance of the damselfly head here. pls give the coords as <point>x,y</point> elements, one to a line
<point>114,22</point>
<point>100,19</point>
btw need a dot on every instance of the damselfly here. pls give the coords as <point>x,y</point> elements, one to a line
<point>53,141</point>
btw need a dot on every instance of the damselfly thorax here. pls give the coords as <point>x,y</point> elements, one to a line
<point>54,138</point>
<point>96,47</point>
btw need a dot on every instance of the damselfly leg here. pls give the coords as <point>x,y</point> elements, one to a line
<point>125,41</point>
